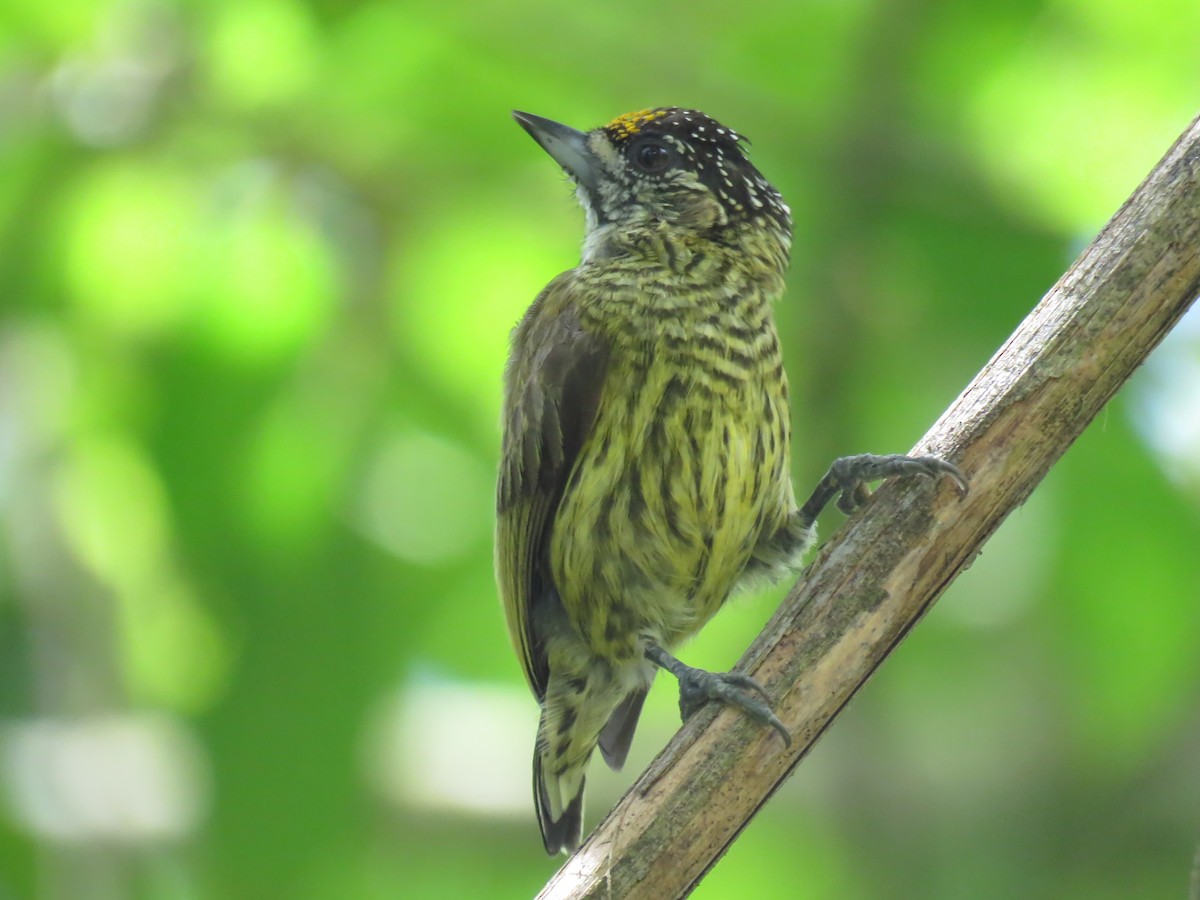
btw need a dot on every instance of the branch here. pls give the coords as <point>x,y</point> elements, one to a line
<point>871,583</point>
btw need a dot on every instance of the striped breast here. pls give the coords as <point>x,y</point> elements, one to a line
<point>685,468</point>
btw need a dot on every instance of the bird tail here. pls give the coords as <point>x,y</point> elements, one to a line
<point>617,734</point>
<point>559,801</point>
<point>578,713</point>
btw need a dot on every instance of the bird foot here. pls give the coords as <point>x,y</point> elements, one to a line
<point>697,687</point>
<point>850,474</point>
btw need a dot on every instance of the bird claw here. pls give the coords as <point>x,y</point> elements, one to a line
<point>697,687</point>
<point>852,473</point>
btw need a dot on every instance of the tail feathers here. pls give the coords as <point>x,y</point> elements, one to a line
<point>562,834</point>
<point>618,733</point>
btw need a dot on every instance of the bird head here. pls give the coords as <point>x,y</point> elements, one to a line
<point>664,167</point>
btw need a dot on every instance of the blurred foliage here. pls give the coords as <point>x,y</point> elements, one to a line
<point>258,262</point>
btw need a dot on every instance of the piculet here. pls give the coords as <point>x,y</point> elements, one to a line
<point>645,459</point>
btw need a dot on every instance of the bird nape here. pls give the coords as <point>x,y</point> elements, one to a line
<point>645,472</point>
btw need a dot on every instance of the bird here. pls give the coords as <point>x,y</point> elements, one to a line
<point>644,470</point>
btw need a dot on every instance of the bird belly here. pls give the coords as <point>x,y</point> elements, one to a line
<point>666,503</point>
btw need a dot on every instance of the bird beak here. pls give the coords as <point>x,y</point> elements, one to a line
<point>567,146</point>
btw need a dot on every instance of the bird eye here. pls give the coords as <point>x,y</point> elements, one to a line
<point>652,156</point>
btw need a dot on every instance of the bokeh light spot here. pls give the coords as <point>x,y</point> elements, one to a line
<point>425,499</point>
<point>128,244</point>
<point>268,283</point>
<point>262,52</point>
<point>460,287</point>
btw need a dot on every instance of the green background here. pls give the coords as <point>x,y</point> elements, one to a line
<point>258,262</point>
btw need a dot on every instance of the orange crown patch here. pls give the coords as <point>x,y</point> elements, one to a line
<point>624,127</point>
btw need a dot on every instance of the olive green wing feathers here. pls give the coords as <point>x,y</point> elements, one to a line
<point>553,382</point>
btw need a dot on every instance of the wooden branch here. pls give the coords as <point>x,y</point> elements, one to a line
<point>875,579</point>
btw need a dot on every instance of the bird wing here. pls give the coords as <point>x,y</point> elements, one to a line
<point>553,382</point>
